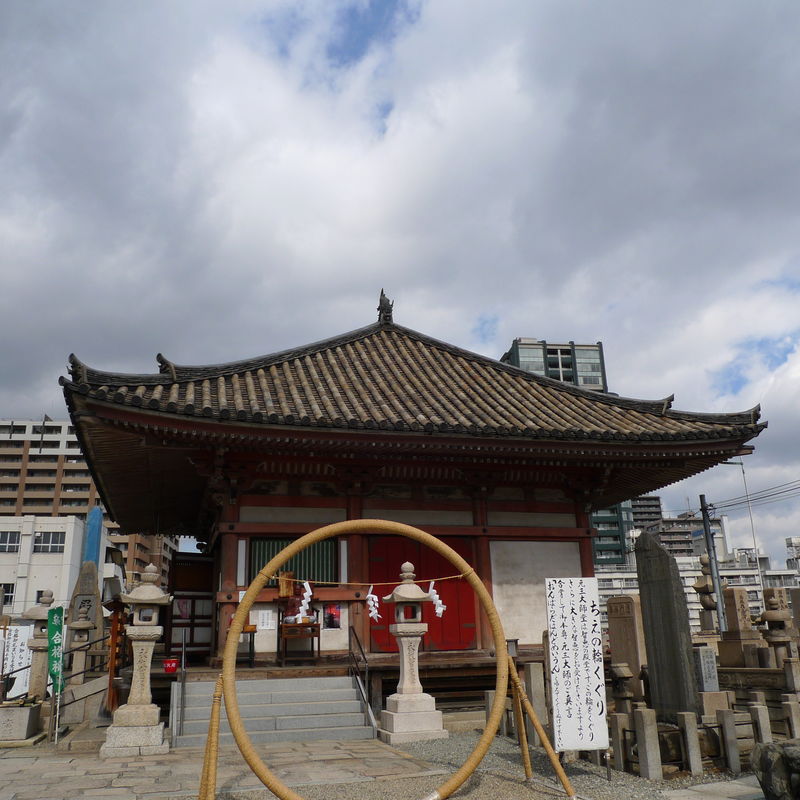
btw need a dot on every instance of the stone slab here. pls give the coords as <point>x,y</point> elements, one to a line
<point>390,737</point>
<point>668,638</point>
<point>129,736</point>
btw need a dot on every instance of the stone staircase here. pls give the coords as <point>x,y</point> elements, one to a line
<point>276,710</point>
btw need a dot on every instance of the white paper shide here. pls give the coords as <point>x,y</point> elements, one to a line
<point>576,664</point>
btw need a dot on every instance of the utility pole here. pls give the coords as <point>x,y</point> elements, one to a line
<point>711,547</point>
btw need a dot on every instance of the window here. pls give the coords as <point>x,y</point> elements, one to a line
<point>315,563</point>
<point>8,429</point>
<point>8,594</point>
<point>44,459</point>
<point>49,542</point>
<point>9,541</point>
<point>9,502</point>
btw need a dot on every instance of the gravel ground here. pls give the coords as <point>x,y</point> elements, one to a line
<point>500,774</point>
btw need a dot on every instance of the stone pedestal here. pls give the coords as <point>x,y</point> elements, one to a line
<point>411,718</point>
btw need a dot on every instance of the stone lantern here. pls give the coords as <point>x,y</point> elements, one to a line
<point>80,629</point>
<point>410,713</point>
<point>780,635</point>
<point>136,729</point>
<point>37,644</point>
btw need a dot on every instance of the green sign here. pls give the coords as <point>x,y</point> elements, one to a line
<point>55,648</point>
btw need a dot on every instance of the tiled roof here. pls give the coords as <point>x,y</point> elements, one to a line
<point>387,377</point>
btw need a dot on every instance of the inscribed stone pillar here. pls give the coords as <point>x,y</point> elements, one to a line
<point>85,603</point>
<point>626,637</point>
<point>668,638</point>
<point>740,634</point>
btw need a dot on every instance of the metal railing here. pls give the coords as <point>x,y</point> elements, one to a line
<point>357,657</point>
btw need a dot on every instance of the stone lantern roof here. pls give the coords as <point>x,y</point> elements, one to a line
<point>147,593</point>
<point>38,613</point>
<point>407,591</point>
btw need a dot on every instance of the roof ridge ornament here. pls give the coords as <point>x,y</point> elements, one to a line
<point>385,310</point>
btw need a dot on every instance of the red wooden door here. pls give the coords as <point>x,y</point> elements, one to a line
<point>455,630</point>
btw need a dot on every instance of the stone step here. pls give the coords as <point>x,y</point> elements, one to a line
<point>201,688</point>
<point>280,709</point>
<point>300,734</point>
<point>261,698</point>
<point>272,723</point>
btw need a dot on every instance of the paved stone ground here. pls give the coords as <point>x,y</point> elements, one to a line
<point>325,770</point>
<point>41,773</point>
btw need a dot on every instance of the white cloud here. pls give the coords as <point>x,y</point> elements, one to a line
<point>206,180</point>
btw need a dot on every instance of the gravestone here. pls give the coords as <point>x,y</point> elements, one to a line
<point>741,637</point>
<point>626,637</point>
<point>705,669</point>
<point>668,638</point>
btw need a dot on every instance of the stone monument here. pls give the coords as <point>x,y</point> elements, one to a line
<point>741,641</point>
<point>136,729</point>
<point>626,638</point>
<point>85,605</point>
<point>673,688</point>
<point>410,714</point>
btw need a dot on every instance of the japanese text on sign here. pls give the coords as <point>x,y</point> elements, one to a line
<point>55,647</point>
<point>576,664</point>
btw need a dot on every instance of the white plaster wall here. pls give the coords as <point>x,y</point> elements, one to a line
<point>421,517</point>
<point>531,519</point>
<point>518,573</point>
<point>288,514</point>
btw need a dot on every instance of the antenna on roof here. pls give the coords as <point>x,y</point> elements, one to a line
<point>385,309</point>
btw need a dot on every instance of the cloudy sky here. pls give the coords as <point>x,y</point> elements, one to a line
<point>221,180</point>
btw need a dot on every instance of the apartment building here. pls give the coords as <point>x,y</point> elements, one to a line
<point>43,473</point>
<point>42,470</point>
<point>39,553</point>
<point>584,366</point>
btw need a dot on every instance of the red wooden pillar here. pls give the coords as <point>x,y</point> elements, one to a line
<point>357,572</point>
<point>483,565</point>
<point>227,560</point>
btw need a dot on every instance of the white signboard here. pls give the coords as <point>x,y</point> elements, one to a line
<point>576,664</point>
<point>265,619</point>
<point>15,655</point>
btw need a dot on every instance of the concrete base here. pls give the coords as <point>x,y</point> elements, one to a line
<point>144,740</point>
<point>390,737</point>
<point>411,718</point>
